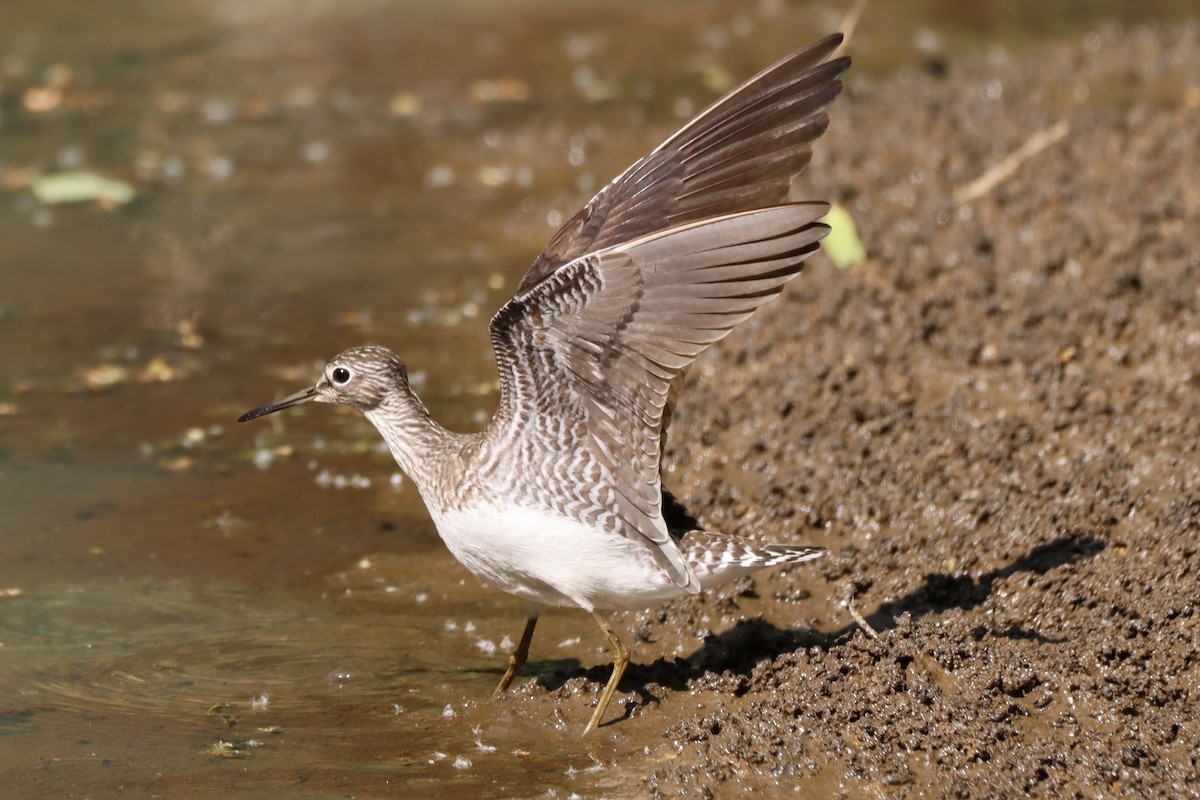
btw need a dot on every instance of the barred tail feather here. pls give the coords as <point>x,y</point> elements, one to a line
<point>716,558</point>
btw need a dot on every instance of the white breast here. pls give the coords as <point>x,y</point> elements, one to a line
<point>548,558</point>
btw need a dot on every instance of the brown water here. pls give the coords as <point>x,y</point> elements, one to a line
<point>194,608</point>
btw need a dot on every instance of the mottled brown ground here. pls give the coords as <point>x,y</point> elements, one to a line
<point>993,425</point>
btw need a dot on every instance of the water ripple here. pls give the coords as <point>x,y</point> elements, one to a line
<point>171,646</point>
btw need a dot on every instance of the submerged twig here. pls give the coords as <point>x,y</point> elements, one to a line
<point>1000,172</point>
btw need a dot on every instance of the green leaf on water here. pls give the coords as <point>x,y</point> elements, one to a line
<point>80,187</point>
<point>842,244</point>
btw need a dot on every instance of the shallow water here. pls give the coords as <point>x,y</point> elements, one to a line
<point>194,608</point>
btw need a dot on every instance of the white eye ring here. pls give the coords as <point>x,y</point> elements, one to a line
<point>340,375</point>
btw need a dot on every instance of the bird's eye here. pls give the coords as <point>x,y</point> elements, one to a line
<point>341,375</point>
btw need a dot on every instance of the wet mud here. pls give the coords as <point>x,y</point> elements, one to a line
<point>993,425</point>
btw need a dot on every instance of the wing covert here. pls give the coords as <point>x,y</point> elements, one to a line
<point>602,339</point>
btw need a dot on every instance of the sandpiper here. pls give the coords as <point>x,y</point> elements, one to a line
<point>559,500</point>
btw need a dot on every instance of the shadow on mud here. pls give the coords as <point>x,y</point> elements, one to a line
<point>752,641</point>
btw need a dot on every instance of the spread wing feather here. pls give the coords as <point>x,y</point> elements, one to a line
<point>609,333</point>
<point>738,154</point>
<point>661,263</point>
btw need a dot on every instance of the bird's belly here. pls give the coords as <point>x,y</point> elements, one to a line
<point>548,558</point>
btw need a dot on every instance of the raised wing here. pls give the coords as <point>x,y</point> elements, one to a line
<point>739,154</point>
<point>598,343</point>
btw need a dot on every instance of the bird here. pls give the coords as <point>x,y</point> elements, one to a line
<point>559,499</point>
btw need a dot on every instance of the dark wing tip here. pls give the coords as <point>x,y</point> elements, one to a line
<point>738,154</point>
<point>840,65</point>
<point>831,42</point>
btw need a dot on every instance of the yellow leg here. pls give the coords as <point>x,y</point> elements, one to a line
<point>517,659</point>
<point>620,661</point>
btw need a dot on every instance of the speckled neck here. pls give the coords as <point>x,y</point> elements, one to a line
<point>424,449</point>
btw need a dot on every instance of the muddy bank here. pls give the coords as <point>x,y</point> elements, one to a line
<point>993,424</point>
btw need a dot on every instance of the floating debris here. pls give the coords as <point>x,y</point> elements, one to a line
<point>493,176</point>
<point>178,464</point>
<point>499,90</point>
<point>189,337</point>
<point>404,104</point>
<point>157,370</point>
<point>41,99</point>
<point>224,749</point>
<point>222,710</point>
<point>104,376</point>
<point>192,437</point>
<point>717,79</point>
<point>81,187</point>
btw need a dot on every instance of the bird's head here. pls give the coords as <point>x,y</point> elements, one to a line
<point>359,377</point>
